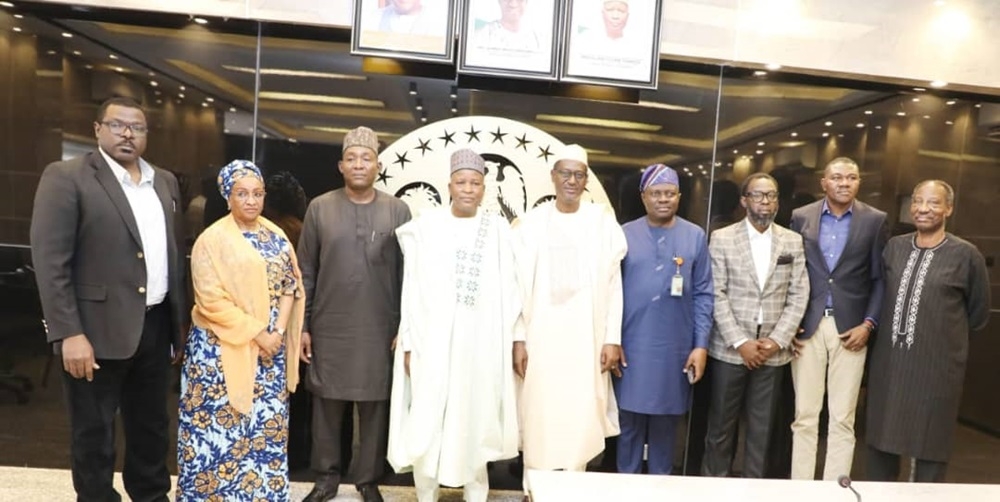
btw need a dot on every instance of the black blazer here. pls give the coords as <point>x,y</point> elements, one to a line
<point>88,256</point>
<point>857,281</point>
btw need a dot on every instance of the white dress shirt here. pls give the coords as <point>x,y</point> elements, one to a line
<point>760,252</point>
<point>152,224</point>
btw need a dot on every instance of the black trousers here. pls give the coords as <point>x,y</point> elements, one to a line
<point>328,441</point>
<point>138,388</point>
<point>884,466</point>
<point>734,387</point>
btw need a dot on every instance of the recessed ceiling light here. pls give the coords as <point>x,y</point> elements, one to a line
<point>181,95</point>
<point>454,92</point>
<point>901,114</point>
<point>232,109</point>
<point>284,72</point>
<point>204,105</point>
<point>264,135</point>
<point>979,105</point>
<point>17,29</point>
<point>828,123</point>
<point>154,83</point>
<point>420,104</point>
<point>761,143</point>
<point>413,88</point>
<point>735,152</point>
<point>919,89</point>
<point>859,125</point>
<point>840,135</point>
<point>119,69</point>
<point>454,110</point>
<point>18,16</point>
<point>77,53</point>
<point>67,34</point>
<point>938,83</point>
<point>89,66</point>
<point>878,127</point>
<point>423,119</point>
<point>293,140</point>
<point>927,116</point>
<point>6,4</point>
<point>201,20</point>
<point>759,152</point>
<point>868,112</point>
<point>826,135</point>
<point>950,102</point>
<point>760,73</point>
<point>916,100</point>
<point>152,74</point>
<point>773,66</point>
<point>182,88</point>
<point>210,99</point>
<point>794,134</point>
<point>159,101</point>
<point>112,56</point>
<point>949,122</point>
<point>51,52</point>
<point>157,92</point>
<point>667,106</point>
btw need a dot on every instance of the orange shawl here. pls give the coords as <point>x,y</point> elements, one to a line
<point>232,300</point>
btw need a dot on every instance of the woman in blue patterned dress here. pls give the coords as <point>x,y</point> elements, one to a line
<point>249,304</point>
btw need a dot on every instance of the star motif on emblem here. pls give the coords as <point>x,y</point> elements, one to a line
<point>401,160</point>
<point>522,142</point>
<point>383,176</point>
<point>498,136</point>
<point>424,147</point>
<point>472,133</point>
<point>447,138</point>
<point>545,152</point>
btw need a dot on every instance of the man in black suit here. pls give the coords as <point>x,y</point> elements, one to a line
<point>843,240</point>
<point>104,238</point>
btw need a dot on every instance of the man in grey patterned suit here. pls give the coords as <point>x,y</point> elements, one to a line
<point>761,291</point>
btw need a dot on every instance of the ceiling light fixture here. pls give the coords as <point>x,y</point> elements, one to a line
<point>938,83</point>
<point>67,34</point>
<point>18,16</point>
<point>284,72</point>
<point>927,116</point>
<point>112,56</point>
<point>77,53</point>
<point>735,152</point>
<point>949,122</point>
<point>420,104</point>
<point>201,20</point>
<point>210,99</point>
<point>17,29</point>
<point>154,83</point>
<point>950,102</point>
<point>878,127</point>
<point>901,114</point>
<point>413,88</point>
<point>919,89</point>
<point>978,105</point>
<point>828,123</point>
<point>826,135</point>
<point>596,122</point>
<point>868,112</point>
<point>232,109</point>
<point>454,92</point>
<point>119,69</point>
<point>666,106</point>
<point>860,125</point>
<point>760,73</point>
<point>761,143</point>
<point>794,134</point>
<point>773,66</point>
<point>183,88</point>
<point>760,152</point>
<point>6,4</point>
<point>454,107</point>
<point>181,95</point>
<point>321,98</point>
<point>916,100</point>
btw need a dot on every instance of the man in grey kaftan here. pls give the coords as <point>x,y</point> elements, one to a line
<point>937,290</point>
<point>352,271</point>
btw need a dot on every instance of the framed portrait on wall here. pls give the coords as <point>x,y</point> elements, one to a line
<point>612,42</point>
<point>404,29</point>
<point>510,37</point>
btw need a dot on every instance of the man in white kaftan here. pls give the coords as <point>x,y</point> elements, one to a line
<point>453,404</point>
<point>568,257</point>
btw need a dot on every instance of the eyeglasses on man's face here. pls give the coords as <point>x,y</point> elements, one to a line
<point>118,127</point>
<point>759,197</point>
<point>565,174</point>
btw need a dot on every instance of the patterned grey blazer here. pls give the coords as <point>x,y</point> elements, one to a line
<point>738,297</point>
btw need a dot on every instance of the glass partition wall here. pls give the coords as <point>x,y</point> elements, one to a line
<point>284,96</point>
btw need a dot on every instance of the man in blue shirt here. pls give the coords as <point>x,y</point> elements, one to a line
<point>843,240</point>
<point>668,300</point>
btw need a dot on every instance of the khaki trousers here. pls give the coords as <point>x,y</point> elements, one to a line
<point>825,366</point>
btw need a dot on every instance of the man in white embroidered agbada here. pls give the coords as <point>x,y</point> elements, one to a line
<point>453,407</point>
<point>568,256</point>
<point>937,290</point>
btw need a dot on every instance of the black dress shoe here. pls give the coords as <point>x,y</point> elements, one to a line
<point>370,493</point>
<point>321,493</point>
